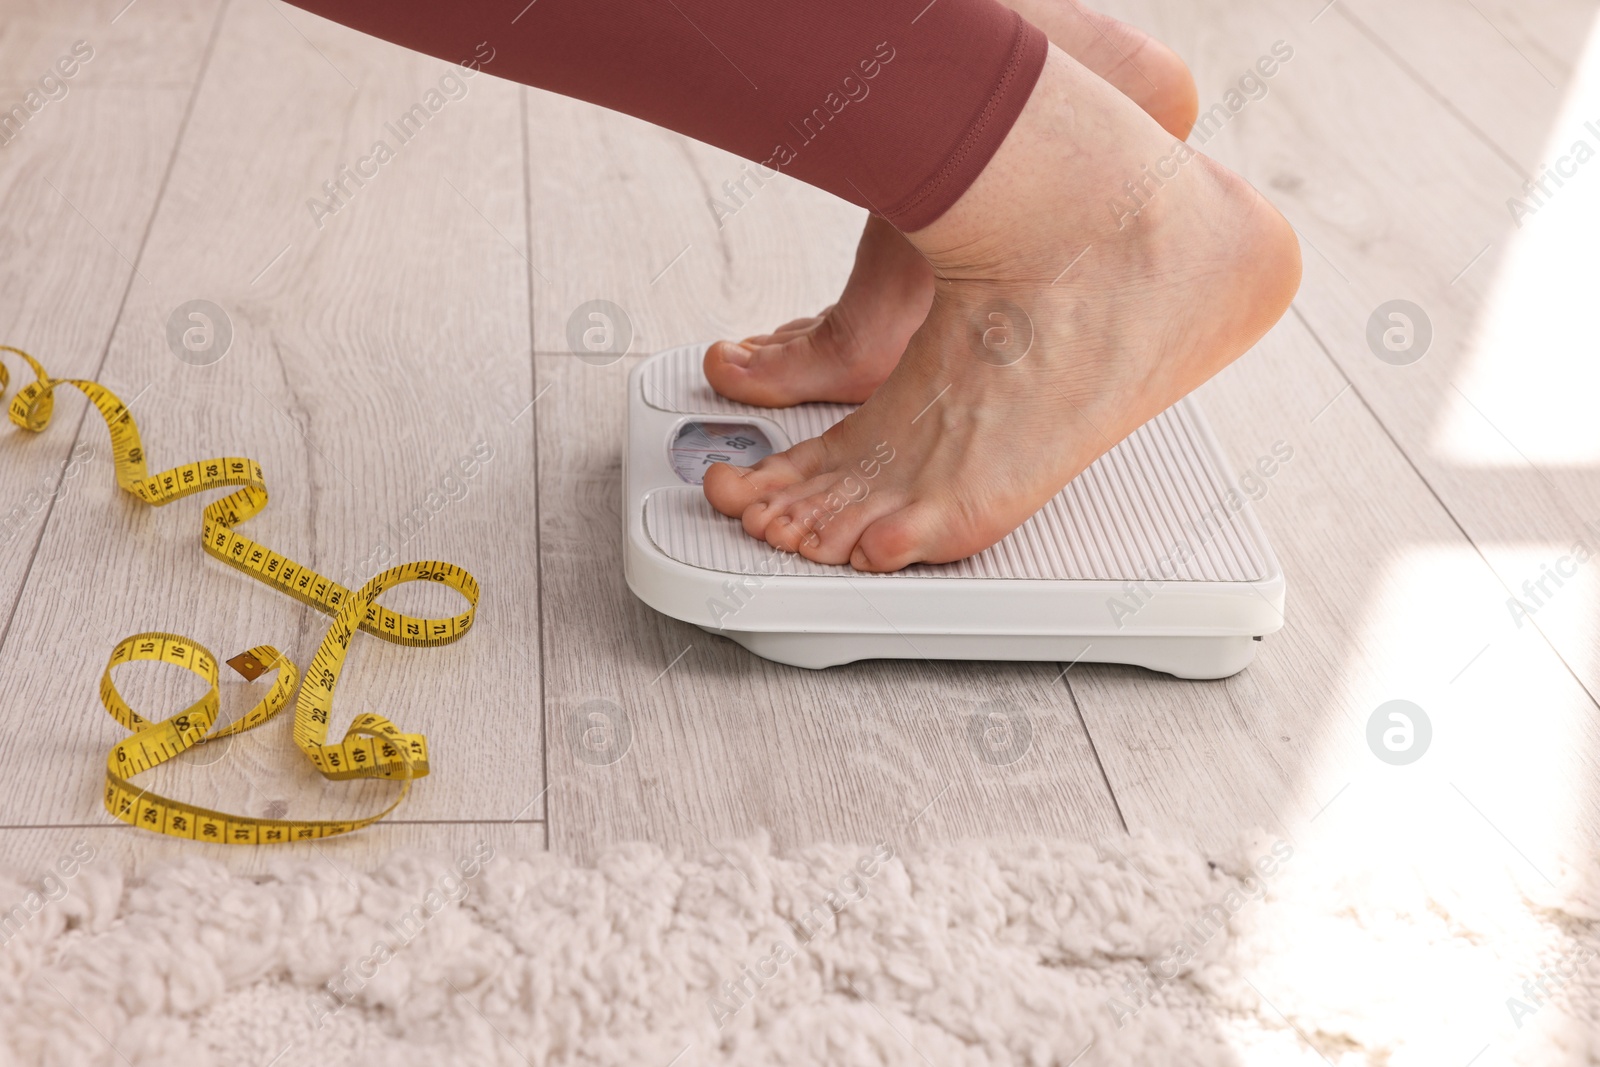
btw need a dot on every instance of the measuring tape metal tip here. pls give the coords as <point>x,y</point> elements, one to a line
<point>248,667</point>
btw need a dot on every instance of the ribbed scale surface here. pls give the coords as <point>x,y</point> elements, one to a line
<point>1118,520</point>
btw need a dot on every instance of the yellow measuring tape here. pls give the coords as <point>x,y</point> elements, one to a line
<point>373,747</point>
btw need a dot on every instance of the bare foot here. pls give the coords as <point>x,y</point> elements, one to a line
<point>843,354</point>
<point>1067,314</point>
<point>1141,67</point>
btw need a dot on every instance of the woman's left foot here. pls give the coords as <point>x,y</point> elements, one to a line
<point>843,354</point>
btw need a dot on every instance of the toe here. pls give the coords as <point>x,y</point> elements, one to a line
<point>899,539</point>
<point>732,490</point>
<point>824,523</point>
<point>766,509</point>
<point>728,368</point>
<point>753,371</point>
<point>783,534</point>
<point>778,502</point>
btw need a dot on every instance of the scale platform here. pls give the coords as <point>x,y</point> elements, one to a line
<point>1150,557</point>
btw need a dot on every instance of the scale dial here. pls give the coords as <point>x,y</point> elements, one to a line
<point>700,444</point>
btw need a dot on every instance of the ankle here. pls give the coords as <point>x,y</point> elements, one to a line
<point>1078,144</point>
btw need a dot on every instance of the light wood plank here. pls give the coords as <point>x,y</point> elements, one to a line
<point>1502,69</point>
<point>724,743</point>
<point>840,754</point>
<point>616,202</point>
<point>1495,416</point>
<point>135,46</point>
<point>32,852</point>
<point>1553,35</point>
<point>368,357</point>
<point>1268,733</point>
<point>1387,599</point>
<point>75,217</point>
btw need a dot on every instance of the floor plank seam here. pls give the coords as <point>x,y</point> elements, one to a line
<point>122,304</point>
<point>1560,499</point>
<point>1422,82</point>
<point>1095,748</point>
<point>533,428</point>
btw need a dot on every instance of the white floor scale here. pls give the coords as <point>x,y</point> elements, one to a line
<point>1150,557</point>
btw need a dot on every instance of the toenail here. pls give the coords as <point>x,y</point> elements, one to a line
<point>739,354</point>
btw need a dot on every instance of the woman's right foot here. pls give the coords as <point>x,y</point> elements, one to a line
<point>846,352</point>
<point>1098,272</point>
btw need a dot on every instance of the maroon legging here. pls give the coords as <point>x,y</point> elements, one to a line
<point>894,105</point>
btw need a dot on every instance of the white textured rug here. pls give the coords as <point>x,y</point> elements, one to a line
<point>1028,952</point>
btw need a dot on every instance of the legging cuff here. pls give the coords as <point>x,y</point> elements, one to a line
<point>802,86</point>
<point>988,128</point>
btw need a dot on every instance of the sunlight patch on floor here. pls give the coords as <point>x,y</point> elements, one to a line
<point>1413,906</point>
<point>1529,381</point>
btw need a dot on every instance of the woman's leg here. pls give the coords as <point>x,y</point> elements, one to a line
<point>844,353</point>
<point>1096,272</point>
<point>895,105</point>
<point>1049,206</point>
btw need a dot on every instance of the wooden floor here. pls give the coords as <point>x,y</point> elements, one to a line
<point>373,347</point>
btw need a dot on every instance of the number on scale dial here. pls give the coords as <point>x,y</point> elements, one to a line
<point>700,444</point>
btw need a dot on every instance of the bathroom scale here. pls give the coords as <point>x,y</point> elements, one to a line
<point>1150,557</point>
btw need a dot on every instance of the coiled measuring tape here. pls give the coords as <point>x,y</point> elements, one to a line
<point>373,747</point>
